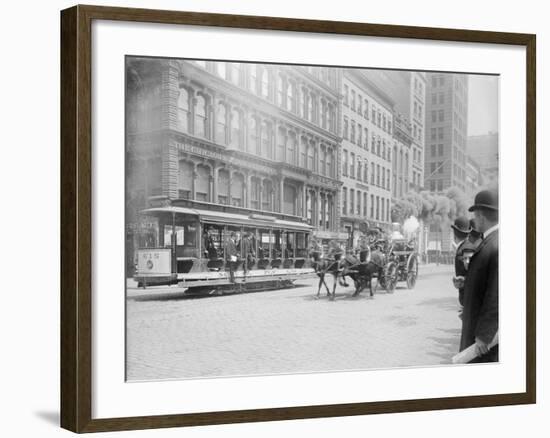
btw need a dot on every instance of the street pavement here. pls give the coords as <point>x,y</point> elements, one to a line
<point>170,335</point>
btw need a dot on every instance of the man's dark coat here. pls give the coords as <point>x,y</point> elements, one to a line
<point>480,317</point>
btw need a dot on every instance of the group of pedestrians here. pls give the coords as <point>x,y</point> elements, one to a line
<point>233,254</point>
<point>476,276</point>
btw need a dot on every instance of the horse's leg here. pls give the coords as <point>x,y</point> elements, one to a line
<point>334,286</point>
<point>321,281</point>
<point>326,287</point>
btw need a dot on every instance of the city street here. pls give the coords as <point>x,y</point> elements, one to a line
<point>170,335</point>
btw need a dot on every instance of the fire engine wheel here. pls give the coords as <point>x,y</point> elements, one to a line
<point>390,277</point>
<point>412,273</point>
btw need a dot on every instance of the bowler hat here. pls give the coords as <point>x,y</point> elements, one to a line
<point>462,225</point>
<point>486,199</point>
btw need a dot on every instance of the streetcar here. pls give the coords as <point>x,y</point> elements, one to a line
<point>186,246</point>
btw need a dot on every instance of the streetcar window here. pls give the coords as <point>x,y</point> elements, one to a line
<point>264,244</point>
<point>301,245</point>
<point>148,232</point>
<point>213,233</point>
<point>290,245</point>
<point>238,235</point>
<point>253,239</point>
<point>277,244</point>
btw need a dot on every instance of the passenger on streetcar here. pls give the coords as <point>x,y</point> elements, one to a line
<point>208,244</point>
<point>248,253</point>
<point>231,255</point>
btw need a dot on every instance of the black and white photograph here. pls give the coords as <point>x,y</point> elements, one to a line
<point>285,219</point>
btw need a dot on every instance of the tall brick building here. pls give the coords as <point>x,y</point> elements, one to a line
<point>446,131</point>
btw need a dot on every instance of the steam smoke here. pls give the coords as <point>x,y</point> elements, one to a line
<point>410,225</point>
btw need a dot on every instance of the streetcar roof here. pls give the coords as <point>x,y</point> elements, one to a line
<point>231,218</point>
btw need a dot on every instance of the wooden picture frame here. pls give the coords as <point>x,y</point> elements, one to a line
<point>76,217</point>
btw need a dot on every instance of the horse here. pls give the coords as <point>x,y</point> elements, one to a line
<point>362,273</point>
<point>322,266</point>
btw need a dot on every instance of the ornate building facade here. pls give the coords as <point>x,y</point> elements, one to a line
<point>256,136</point>
<point>367,114</point>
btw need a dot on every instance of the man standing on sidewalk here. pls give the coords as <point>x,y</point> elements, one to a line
<point>480,316</point>
<point>464,250</point>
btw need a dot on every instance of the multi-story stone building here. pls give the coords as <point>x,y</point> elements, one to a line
<point>256,136</point>
<point>401,159</point>
<point>366,153</point>
<point>446,131</point>
<point>408,90</point>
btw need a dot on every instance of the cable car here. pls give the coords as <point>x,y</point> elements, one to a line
<point>187,247</point>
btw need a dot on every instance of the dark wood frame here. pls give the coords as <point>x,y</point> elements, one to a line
<point>76,218</point>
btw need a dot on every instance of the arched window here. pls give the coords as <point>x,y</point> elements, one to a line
<point>281,144</point>
<point>255,190</point>
<point>291,96</point>
<point>185,179</point>
<point>235,72</point>
<point>359,169</point>
<point>366,173</point>
<point>289,200</point>
<point>265,83</point>
<point>311,156</point>
<point>291,149</point>
<point>253,136</point>
<point>202,183</point>
<point>322,161</point>
<point>305,103</point>
<point>330,170</point>
<point>280,91</point>
<point>253,82</point>
<point>236,132</point>
<point>330,118</point>
<point>221,123</point>
<point>200,116</point>
<point>303,152</point>
<point>266,140</point>
<point>310,109</point>
<point>221,69</point>
<point>267,195</point>
<point>346,134</point>
<point>223,186</point>
<point>183,109</point>
<point>324,114</point>
<point>237,190</point>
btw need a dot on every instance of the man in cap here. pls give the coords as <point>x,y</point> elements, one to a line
<point>480,316</point>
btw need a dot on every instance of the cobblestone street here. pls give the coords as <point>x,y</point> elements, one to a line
<point>289,331</point>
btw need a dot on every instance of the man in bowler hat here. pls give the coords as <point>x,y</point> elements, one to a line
<point>480,315</point>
